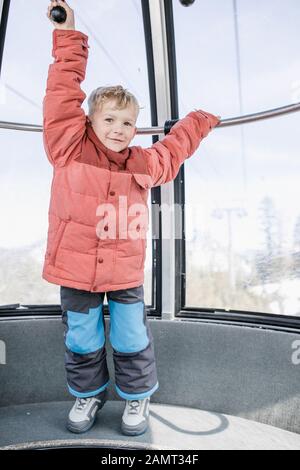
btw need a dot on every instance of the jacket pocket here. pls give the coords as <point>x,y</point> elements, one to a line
<point>57,241</point>
<point>144,181</point>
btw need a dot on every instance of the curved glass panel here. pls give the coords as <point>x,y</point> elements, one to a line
<point>113,58</point>
<point>259,51</point>
<point>25,179</point>
<point>243,219</point>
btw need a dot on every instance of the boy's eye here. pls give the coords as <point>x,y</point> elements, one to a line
<point>126,123</point>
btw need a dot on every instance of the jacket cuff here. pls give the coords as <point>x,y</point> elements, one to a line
<point>212,119</point>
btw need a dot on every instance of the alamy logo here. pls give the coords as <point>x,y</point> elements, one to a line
<point>2,352</point>
<point>296,353</point>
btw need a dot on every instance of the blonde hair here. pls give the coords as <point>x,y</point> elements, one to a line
<point>121,95</point>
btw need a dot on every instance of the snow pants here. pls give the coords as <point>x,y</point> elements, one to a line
<point>130,337</point>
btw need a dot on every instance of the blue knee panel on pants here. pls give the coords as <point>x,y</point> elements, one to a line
<point>85,331</point>
<point>128,332</point>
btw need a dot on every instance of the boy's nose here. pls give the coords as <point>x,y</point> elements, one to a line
<point>118,131</point>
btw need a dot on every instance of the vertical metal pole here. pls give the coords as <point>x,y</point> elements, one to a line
<point>1,7</point>
<point>160,53</point>
<point>4,9</point>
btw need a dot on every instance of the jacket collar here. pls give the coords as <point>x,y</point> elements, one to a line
<point>117,160</point>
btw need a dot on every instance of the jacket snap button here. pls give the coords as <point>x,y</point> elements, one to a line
<point>138,227</point>
<point>106,228</point>
<point>112,193</point>
<point>146,186</point>
<point>100,260</point>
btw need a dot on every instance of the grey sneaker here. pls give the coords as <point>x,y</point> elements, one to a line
<point>83,414</point>
<point>135,417</point>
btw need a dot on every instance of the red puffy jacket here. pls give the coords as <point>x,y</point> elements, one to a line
<point>98,214</point>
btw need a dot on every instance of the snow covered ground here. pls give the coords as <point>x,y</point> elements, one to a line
<point>289,293</point>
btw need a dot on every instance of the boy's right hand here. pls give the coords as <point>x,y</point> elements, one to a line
<point>70,21</point>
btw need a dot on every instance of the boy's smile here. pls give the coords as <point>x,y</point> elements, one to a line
<point>115,127</point>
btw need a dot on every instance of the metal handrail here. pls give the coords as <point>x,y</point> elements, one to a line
<point>161,130</point>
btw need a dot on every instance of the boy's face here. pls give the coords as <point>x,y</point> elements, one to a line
<point>115,127</point>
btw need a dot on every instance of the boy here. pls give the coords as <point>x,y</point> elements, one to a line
<point>98,220</point>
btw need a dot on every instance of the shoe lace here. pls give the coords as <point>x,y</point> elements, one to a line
<point>134,406</point>
<point>82,403</point>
